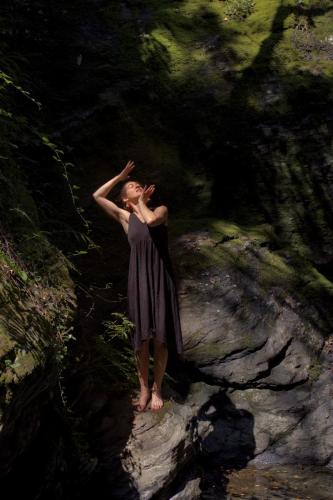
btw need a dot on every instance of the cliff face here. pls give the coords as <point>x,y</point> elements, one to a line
<point>38,304</point>
<point>227,109</point>
<point>37,300</point>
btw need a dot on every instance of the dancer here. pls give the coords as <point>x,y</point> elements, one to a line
<point>152,294</point>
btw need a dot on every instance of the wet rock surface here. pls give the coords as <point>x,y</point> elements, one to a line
<point>288,481</point>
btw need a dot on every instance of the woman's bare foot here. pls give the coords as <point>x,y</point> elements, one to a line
<point>141,403</point>
<point>156,400</point>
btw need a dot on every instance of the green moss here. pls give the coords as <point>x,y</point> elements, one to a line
<point>229,246</point>
<point>175,55</point>
<point>315,370</point>
<point>25,363</point>
<point>6,344</point>
<point>161,413</point>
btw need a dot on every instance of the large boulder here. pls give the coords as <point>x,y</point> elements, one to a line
<point>246,320</point>
<point>251,323</point>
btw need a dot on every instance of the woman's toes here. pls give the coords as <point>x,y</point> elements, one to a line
<point>141,403</point>
<point>156,400</point>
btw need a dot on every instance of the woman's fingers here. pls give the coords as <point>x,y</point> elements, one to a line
<point>130,165</point>
<point>128,169</point>
<point>147,191</point>
<point>151,187</point>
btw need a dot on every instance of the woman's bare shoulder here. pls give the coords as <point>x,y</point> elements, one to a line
<point>165,223</point>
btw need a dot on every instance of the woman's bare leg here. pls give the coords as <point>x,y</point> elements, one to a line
<point>160,362</point>
<point>142,358</point>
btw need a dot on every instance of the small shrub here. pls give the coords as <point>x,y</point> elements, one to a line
<point>239,9</point>
<point>109,361</point>
<point>309,45</point>
<point>118,328</point>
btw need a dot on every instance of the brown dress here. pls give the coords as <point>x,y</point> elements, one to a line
<point>152,294</point>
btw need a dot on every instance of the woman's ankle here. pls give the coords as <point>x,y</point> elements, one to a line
<point>156,389</point>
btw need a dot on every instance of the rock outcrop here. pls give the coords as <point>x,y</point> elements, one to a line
<point>249,326</point>
<point>255,383</point>
<point>143,455</point>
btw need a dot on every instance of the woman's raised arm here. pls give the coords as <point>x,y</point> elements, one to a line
<point>101,193</point>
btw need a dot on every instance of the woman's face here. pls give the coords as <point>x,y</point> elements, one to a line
<point>133,190</point>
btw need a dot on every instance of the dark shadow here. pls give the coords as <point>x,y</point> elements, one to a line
<point>227,447</point>
<point>230,446</point>
<point>108,431</point>
<point>101,405</point>
<point>245,178</point>
<point>38,456</point>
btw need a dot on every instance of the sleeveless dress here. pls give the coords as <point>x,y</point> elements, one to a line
<point>152,292</point>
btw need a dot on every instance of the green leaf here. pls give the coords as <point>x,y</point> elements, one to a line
<point>23,275</point>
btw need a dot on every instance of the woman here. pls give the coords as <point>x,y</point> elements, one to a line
<point>152,295</point>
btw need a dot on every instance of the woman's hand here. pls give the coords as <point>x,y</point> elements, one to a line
<point>126,171</point>
<point>146,193</point>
